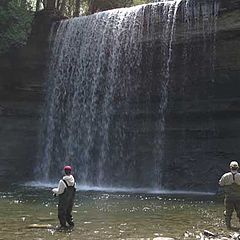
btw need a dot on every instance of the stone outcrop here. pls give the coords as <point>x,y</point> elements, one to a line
<point>204,111</point>
<point>22,74</point>
<point>202,121</point>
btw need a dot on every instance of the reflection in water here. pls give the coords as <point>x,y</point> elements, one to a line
<point>101,215</point>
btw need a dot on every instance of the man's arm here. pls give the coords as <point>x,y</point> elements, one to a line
<point>60,189</point>
<point>222,181</point>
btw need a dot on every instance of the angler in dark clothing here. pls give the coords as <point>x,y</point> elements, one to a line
<point>66,192</point>
<point>231,184</point>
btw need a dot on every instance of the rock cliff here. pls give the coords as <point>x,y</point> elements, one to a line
<point>204,109</point>
<point>203,114</point>
<point>22,74</point>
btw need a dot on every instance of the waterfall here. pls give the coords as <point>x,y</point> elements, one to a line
<point>107,94</point>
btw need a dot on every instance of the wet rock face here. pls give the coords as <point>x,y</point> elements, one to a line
<point>22,74</point>
<point>20,100</point>
<point>202,121</point>
<point>204,110</point>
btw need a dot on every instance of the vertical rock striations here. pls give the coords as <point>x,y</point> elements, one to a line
<point>131,131</point>
<point>22,74</point>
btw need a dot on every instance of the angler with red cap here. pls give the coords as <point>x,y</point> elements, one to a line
<point>66,192</point>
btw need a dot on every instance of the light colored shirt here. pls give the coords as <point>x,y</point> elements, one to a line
<point>228,179</point>
<point>61,185</point>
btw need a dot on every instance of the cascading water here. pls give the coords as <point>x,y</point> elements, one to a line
<point>107,96</point>
<point>170,14</point>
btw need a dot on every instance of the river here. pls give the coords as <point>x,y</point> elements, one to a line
<point>113,215</point>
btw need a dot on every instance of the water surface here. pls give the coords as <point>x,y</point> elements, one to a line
<point>102,215</point>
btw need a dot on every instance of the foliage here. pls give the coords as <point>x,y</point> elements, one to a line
<point>15,24</point>
<point>92,6</point>
<point>137,2</point>
<point>100,5</point>
<point>16,16</point>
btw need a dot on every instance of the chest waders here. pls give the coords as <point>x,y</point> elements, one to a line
<point>65,205</point>
<point>232,201</point>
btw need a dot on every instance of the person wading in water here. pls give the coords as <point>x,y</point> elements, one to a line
<point>231,185</point>
<point>66,192</point>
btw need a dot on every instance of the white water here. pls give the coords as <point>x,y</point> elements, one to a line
<point>170,14</point>
<point>101,67</point>
<point>48,185</point>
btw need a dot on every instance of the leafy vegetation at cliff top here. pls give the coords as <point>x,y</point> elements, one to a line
<point>15,24</point>
<point>16,15</point>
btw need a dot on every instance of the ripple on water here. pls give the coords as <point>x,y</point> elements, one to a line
<point>112,215</point>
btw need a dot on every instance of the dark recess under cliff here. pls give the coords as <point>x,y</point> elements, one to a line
<point>203,116</point>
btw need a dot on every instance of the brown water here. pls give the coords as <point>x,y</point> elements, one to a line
<point>100,215</point>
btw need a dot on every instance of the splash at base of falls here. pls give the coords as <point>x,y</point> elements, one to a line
<point>86,188</point>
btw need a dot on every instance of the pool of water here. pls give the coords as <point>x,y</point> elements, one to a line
<point>102,215</point>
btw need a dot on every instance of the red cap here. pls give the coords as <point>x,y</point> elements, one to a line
<point>68,168</point>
